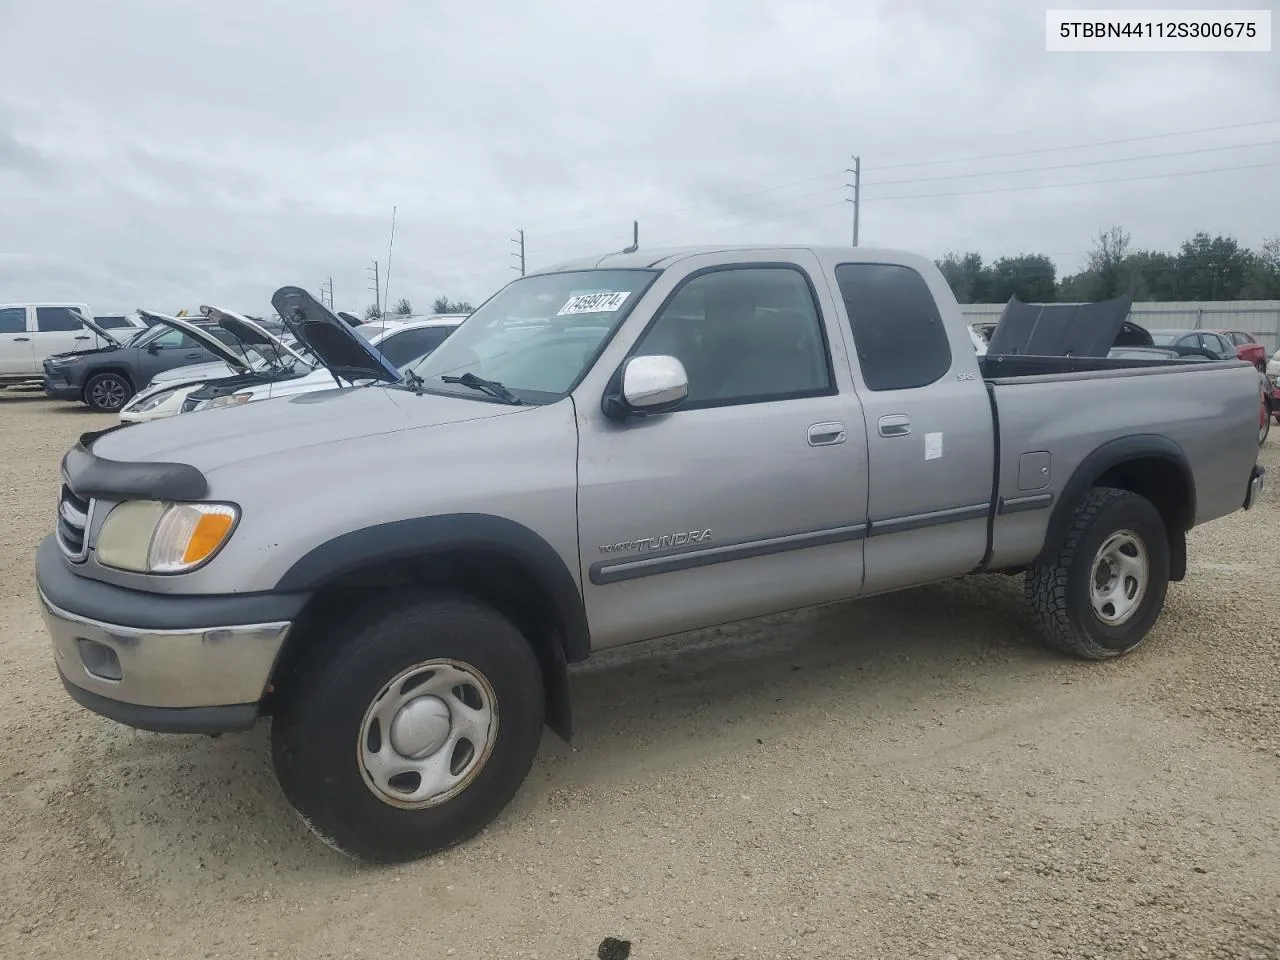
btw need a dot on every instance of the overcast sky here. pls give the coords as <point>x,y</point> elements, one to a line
<point>166,154</point>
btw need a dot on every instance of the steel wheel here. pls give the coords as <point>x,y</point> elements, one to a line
<point>1119,577</point>
<point>428,733</point>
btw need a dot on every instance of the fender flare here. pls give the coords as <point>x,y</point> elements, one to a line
<point>425,536</point>
<point>1113,453</point>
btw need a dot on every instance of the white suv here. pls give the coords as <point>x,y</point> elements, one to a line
<point>30,333</point>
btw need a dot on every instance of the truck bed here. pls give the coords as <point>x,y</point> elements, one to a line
<point>1053,412</point>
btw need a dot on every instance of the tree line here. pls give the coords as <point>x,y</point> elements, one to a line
<point>1203,268</point>
<point>404,308</point>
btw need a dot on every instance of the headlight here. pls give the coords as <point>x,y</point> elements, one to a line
<point>59,361</point>
<point>148,536</point>
<point>150,401</point>
<point>228,400</point>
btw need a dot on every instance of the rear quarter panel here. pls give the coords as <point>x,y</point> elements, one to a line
<point>1209,410</point>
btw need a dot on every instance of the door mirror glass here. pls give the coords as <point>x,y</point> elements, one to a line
<point>650,384</point>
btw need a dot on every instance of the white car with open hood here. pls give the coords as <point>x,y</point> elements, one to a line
<point>269,376</point>
<point>263,359</point>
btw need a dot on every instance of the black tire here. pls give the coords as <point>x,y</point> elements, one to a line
<point>1059,590</point>
<point>107,392</point>
<point>316,731</point>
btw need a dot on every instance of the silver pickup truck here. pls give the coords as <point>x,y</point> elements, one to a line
<point>400,570</point>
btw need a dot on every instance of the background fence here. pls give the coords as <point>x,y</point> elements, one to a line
<point>1258,317</point>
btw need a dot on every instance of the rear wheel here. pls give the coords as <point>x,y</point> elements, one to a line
<point>1102,591</point>
<point>107,392</point>
<point>410,728</point>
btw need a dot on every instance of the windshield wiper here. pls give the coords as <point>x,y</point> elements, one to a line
<point>492,387</point>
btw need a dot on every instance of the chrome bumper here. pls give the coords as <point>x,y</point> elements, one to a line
<point>215,667</point>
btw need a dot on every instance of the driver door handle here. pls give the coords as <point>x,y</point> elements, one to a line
<point>895,425</point>
<point>826,434</point>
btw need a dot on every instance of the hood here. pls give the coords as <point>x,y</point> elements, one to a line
<point>247,330</point>
<point>193,373</point>
<point>212,439</point>
<point>343,351</point>
<point>1065,329</point>
<point>77,354</point>
<point>202,337</point>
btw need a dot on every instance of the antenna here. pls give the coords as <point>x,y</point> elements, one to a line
<point>386,296</point>
<point>635,237</point>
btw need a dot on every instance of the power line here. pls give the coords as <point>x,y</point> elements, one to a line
<point>1078,183</point>
<point>1079,146</point>
<point>1080,163</point>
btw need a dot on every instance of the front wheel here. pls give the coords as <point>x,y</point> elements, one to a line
<point>411,727</point>
<point>107,392</point>
<point>1102,591</point>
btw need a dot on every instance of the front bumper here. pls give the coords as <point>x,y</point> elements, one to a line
<point>61,389</point>
<point>204,670</point>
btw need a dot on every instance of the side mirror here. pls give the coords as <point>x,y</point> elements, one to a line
<point>153,348</point>
<point>649,385</point>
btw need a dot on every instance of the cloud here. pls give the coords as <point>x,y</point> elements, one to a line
<point>163,155</point>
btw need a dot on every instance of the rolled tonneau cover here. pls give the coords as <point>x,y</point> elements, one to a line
<point>1065,329</point>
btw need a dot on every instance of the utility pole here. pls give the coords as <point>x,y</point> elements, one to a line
<point>377,290</point>
<point>519,252</point>
<point>856,187</point>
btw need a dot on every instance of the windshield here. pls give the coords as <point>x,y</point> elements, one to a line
<point>1164,339</point>
<point>538,335</point>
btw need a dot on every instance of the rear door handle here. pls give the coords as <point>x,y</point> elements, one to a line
<point>83,337</point>
<point>193,356</point>
<point>895,425</point>
<point>826,434</point>
<point>21,339</point>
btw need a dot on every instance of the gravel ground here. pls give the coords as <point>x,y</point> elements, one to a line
<point>909,777</point>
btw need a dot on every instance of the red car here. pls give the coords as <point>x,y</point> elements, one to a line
<point>1247,348</point>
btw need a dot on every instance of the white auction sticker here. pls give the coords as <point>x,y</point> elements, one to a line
<point>932,446</point>
<point>593,303</point>
<point>1158,31</point>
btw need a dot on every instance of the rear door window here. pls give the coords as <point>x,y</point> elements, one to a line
<point>897,329</point>
<point>57,319</point>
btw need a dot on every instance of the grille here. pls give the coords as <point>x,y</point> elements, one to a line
<point>73,523</point>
